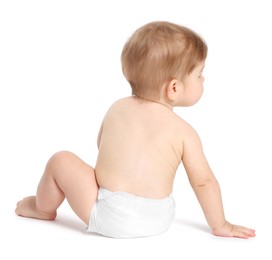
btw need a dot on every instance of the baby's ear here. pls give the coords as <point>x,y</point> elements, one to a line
<point>172,89</point>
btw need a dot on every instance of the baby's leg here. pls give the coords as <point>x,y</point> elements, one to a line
<point>27,208</point>
<point>65,176</point>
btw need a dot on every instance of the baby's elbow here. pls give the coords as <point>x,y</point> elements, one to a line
<point>202,183</point>
<point>208,182</point>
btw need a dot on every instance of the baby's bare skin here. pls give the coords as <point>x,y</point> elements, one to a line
<point>27,208</point>
<point>140,149</point>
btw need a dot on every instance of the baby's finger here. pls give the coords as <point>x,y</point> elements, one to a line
<point>243,232</point>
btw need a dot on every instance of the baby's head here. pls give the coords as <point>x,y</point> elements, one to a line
<point>157,53</point>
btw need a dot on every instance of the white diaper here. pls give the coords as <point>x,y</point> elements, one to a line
<point>124,215</point>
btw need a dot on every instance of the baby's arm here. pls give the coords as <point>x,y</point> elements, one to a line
<point>99,135</point>
<point>207,189</point>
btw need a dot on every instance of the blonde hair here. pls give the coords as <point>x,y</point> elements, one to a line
<point>158,52</point>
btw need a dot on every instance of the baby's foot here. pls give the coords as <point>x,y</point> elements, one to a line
<point>27,208</point>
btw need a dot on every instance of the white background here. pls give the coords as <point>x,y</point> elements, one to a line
<point>60,71</point>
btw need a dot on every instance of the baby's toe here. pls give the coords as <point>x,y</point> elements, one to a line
<point>17,210</point>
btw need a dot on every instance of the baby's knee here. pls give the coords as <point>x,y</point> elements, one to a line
<point>59,159</point>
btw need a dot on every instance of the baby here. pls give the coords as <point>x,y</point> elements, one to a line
<point>141,144</point>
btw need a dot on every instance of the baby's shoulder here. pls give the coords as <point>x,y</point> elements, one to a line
<point>121,103</point>
<point>119,108</point>
<point>183,126</point>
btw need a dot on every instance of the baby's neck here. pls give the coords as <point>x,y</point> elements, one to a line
<point>161,102</point>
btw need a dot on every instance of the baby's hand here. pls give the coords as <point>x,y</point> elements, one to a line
<point>229,230</point>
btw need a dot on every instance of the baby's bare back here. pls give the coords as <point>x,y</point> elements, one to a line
<point>140,148</point>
